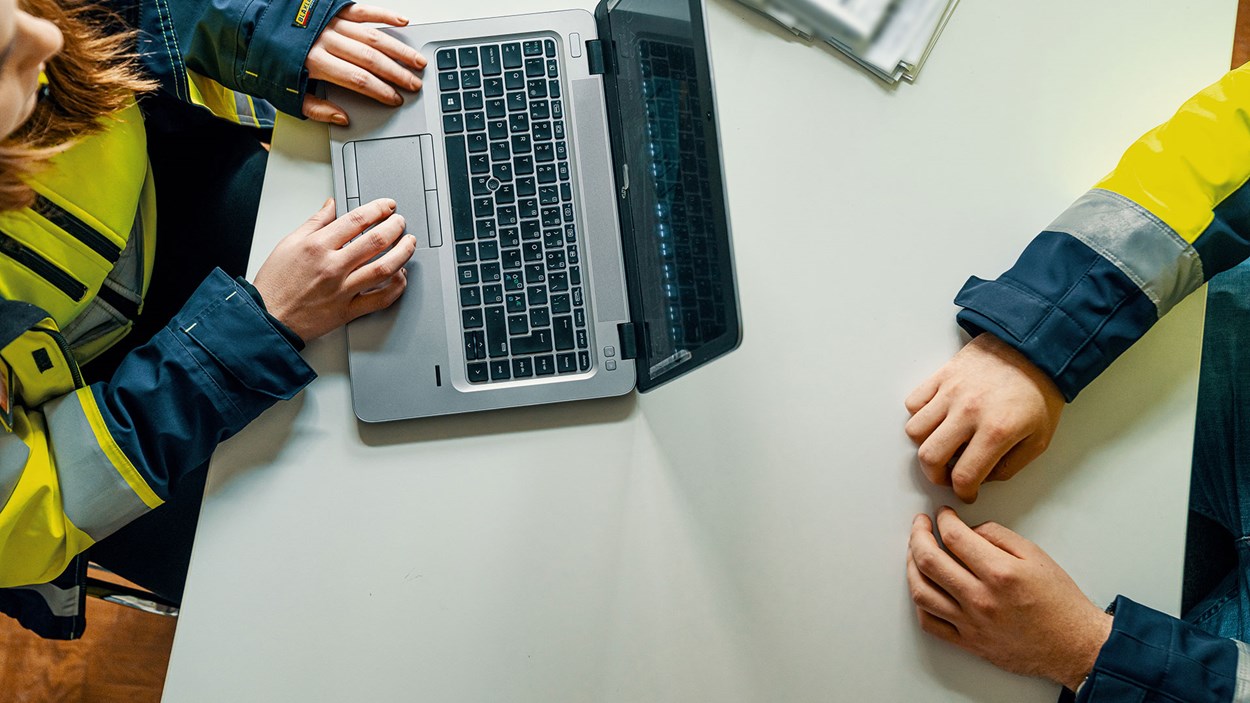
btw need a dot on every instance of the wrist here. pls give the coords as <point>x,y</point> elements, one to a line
<point>1085,651</point>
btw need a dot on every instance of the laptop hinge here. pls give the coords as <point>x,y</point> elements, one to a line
<point>628,332</point>
<point>596,58</point>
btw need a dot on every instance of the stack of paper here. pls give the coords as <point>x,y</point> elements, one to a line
<point>890,38</point>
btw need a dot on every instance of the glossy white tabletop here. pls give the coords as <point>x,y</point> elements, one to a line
<point>739,534</point>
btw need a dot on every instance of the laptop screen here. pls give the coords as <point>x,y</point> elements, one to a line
<point>680,263</point>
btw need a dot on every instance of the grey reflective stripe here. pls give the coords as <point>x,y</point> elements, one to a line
<point>1242,693</point>
<point>63,602</point>
<point>13,456</point>
<point>96,497</point>
<point>243,106</point>
<point>1150,253</point>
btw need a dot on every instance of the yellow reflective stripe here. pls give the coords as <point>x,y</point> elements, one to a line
<point>1182,169</point>
<point>37,541</point>
<point>114,453</point>
<point>208,93</point>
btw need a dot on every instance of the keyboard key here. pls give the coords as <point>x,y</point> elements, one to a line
<point>451,102</point>
<point>511,55</point>
<point>533,69</point>
<point>470,79</point>
<point>553,89</point>
<point>518,325</point>
<point>500,370</point>
<point>540,317</point>
<point>512,280</point>
<point>488,251</point>
<point>516,101</point>
<point>485,229</point>
<point>503,172</point>
<point>553,69</point>
<point>534,48</point>
<point>477,143</point>
<point>536,89</point>
<point>470,296</point>
<point>473,100</point>
<point>512,259</point>
<point>490,61</point>
<point>544,365</point>
<point>520,143</point>
<point>561,303</point>
<point>550,47</point>
<point>570,234</point>
<point>583,361</point>
<point>563,332</point>
<point>552,239</point>
<point>472,318</point>
<point>465,254</point>
<point>516,303</point>
<point>537,296</point>
<point>566,363</point>
<point>522,368</point>
<point>557,109</point>
<point>542,131</point>
<point>496,108</point>
<point>490,273</point>
<point>540,110</point>
<point>544,153</point>
<point>579,317</point>
<point>492,294</point>
<point>468,57</point>
<point>500,151</point>
<point>448,81</point>
<point>446,59</point>
<point>479,164</point>
<point>537,343</point>
<point>534,273</point>
<point>555,262</point>
<point>510,237</point>
<point>467,275</point>
<point>514,80</point>
<point>478,373</point>
<point>453,123</point>
<point>575,273</point>
<point>530,229</point>
<point>492,88</point>
<point>474,345</point>
<point>533,251</point>
<point>581,339</point>
<point>547,173</point>
<point>496,332</point>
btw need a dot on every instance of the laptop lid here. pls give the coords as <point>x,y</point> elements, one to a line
<point>672,201</point>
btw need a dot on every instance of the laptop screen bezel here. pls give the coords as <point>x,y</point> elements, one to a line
<point>732,337</point>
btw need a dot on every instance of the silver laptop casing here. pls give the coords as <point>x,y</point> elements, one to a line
<point>409,361</point>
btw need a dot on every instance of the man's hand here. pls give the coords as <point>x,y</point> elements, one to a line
<point>327,273</point>
<point>362,59</point>
<point>983,416</point>
<point>1003,599</point>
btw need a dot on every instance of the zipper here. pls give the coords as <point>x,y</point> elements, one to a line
<point>78,229</point>
<point>45,269</point>
<point>63,345</point>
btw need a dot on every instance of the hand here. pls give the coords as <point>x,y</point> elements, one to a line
<point>1003,599</point>
<point>983,416</point>
<point>362,59</point>
<point>325,274</point>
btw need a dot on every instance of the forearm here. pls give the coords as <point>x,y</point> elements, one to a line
<point>1165,221</point>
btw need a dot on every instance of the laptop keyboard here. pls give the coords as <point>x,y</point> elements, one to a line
<point>522,303</point>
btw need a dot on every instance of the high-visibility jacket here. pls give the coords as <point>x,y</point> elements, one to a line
<point>1173,213</point>
<point>77,462</point>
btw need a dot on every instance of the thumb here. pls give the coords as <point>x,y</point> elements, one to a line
<point>320,219</point>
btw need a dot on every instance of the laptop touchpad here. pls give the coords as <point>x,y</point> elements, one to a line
<point>395,168</point>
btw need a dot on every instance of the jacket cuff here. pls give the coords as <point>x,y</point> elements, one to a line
<point>1150,652</point>
<point>295,340</point>
<point>273,64</point>
<point>1065,307</point>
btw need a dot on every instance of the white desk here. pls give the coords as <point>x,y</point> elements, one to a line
<point>738,535</point>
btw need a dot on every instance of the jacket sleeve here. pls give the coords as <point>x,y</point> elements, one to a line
<point>223,54</point>
<point>77,467</point>
<point>1174,213</point>
<point>1156,658</point>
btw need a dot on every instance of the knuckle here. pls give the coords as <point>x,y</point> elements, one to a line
<point>359,79</point>
<point>930,457</point>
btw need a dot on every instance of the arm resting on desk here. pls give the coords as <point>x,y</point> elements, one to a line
<point>76,467</point>
<point>1175,212</point>
<point>1153,657</point>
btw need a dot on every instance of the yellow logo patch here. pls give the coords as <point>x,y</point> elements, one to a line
<point>305,12</point>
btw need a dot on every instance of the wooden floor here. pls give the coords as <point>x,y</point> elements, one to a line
<point>121,659</point>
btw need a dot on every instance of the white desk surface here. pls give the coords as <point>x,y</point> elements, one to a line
<point>739,534</point>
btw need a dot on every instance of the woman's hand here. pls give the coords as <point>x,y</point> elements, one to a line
<point>361,58</point>
<point>329,272</point>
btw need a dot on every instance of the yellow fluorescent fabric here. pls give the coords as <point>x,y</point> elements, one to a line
<point>219,99</point>
<point>1181,170</point>
<point>37,541</point>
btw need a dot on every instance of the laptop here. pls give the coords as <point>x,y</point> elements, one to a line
<point>562,175</point>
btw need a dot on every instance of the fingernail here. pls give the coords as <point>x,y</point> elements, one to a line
<point>393,205</point>
<point>339,119</point>
<point>403,224</point>
<point>403,21</point>
<point>397,100</point>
